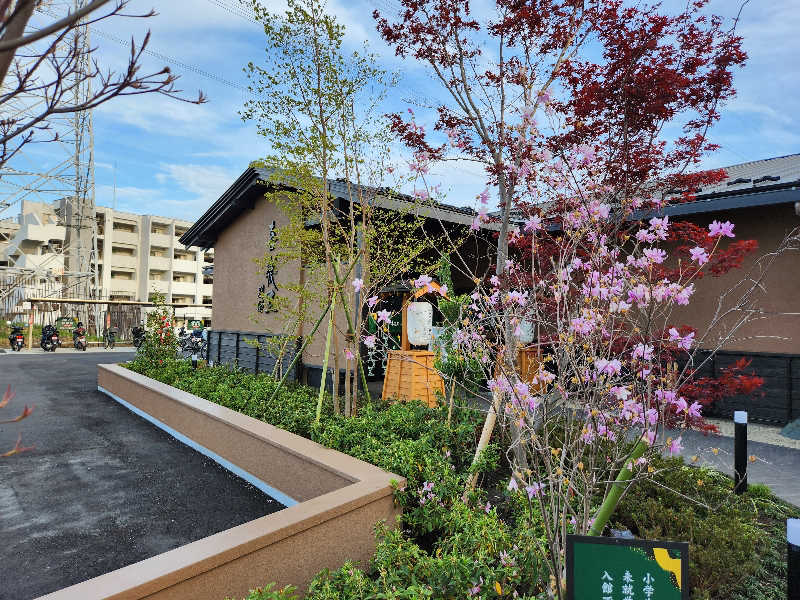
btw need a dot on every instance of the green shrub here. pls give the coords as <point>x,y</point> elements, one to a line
<point>267,593</point>
<point>450,547</point>
<point>725,537</point>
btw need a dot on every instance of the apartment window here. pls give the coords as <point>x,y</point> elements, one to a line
<point>124,227</point>
<point>208,279</point>
<point>158,251</point>
<point>182,255</point>
<point>208,257</point>
<point>206,299</point>
<point>123,251</point>
<point>122,275</point>
<point>159,229</point>
<point>158,275</point>
<point>183,277</point>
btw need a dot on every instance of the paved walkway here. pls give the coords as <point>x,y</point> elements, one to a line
<point>776,466</point>
<point>103,488</point>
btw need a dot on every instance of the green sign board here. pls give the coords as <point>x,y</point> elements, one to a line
<point>602,568</point>
<point>65,323</point>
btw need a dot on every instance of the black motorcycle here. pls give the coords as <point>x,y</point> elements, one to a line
<point>16,339</point>
<point>50,340</point>
<point>197,344</point>
<point>138,334</point>
<point>79,338</point>
<point>111,337</point>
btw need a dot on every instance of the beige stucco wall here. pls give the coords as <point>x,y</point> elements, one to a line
<point>768,225</point>
<point>237,278</point>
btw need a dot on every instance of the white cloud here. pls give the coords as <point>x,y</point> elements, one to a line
<point>203,184</point>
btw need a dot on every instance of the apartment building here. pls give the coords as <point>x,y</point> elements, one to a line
<point>137,255</point>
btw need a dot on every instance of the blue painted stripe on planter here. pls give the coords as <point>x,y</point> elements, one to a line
<point>248,477</point>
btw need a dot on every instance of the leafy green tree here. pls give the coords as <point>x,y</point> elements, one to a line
<point>318,107</point>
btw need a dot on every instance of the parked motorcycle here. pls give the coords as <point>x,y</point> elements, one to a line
<point>192,343</point>
<point>197,343</point>
<point>17,338</point>
<point>79,337</point>
<point>50,340</point>
<point>138,334</point>
<point>111,337</point>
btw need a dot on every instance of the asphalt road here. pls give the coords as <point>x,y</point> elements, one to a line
<point>102,488</point>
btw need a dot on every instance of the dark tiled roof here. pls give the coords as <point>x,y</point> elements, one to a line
<point>252,184</point>
<point>757,174</point>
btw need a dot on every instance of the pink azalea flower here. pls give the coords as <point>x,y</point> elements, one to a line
<point>358,284</point>
<point>371,302</point>
<point>655,255</point>
<point>660,226</point>
<point>642,351</point>
<point>443,289</point>
<point>533,224</point>
<point>652,416</point>
<point>681,405</point>
<point>719,229</point>
<point>512,485</point>
<point>348,355</point>
<point>621,393</point>
<point>682,297</point>
<point>384,316</point>
<point>423,281</point>
<point>640,295</point>
<point>695,409</point>
<point>609,367</point>
<point>674,446</point>
<point>645,235</point>
<point>535,490</point>
<point>369,341</point>
<point>699,254</point>
<point>686,341</point>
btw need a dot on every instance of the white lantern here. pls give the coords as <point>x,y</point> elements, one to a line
<point>525,331</point>
<point>420,322</point>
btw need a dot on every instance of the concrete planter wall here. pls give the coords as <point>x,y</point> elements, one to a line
<point>336,500</point>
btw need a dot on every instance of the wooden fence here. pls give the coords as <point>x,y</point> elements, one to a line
<point>776,403</point>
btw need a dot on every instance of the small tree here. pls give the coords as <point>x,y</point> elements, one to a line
<point>317,106</point>
<point>565,103</point>
<point>160,343</point>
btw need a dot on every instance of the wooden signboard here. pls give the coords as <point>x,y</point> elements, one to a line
<point>603,568</point>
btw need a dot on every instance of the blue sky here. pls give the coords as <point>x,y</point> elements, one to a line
<point>175,159</point>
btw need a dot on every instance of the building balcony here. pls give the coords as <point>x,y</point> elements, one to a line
<point>156,285</point>
<point>41,261</point>
<point>162,263</point>
<point>160,239</point>
<point>183,288</point>
<point>184,266</point>
<point>123,261</point>
<point>125,237</point>
<point>123,286</point>
<point>41,233</point>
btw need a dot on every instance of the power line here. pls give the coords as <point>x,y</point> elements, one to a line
<point>161,56</point>
<point>174,61</point>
